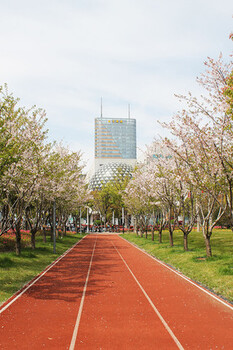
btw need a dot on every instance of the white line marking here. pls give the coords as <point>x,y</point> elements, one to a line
<point>181,275</point>
<point>151,303</point>
<point>37,279</point>
<point>75,332</point>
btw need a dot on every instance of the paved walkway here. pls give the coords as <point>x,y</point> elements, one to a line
<point>107,294</point>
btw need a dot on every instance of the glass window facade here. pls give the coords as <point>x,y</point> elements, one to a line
<point>115,138</point>
<point>109,172</point>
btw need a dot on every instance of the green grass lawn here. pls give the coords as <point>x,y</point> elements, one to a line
<point>15,271</point>
<point>216,273</point>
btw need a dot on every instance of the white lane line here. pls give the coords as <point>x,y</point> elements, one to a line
<point>37,279</point>
<point>75,332</point>
<point>151,303</point>
<point>182,276</point>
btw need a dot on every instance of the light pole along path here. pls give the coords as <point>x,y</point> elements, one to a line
<point>107,294</point>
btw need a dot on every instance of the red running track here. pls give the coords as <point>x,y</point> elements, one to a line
<point>107,294</point>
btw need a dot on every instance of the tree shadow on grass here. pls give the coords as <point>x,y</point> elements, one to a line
<point>6,262</point>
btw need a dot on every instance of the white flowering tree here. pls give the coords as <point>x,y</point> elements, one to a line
<point>174,195</point>
<point>33,173</point>
<point>71,189</point>
<point>137,198</point>
<point>23,177</point>
<point>11,119</point>
<point>204,128</point>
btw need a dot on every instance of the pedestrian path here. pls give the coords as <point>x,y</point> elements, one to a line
<point>107,294</point>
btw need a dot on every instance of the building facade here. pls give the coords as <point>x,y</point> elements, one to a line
<point>115,149</point>
<point>115,141</point>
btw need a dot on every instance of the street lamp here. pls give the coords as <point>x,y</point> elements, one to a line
<point>87,220</point>
<point>113,220</point>
<point>80,219</point>
<point>89,210</point>
<point>54,227</point>
<point>123,219</point>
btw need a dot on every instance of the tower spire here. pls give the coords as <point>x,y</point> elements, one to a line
<point>101,109</point>
<point>129,111</point>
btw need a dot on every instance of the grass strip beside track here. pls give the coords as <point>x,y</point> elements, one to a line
<point>16,271</point>
<point>215,273</point>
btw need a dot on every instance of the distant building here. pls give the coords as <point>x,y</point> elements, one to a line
<point>115,141</point>
<point>109,172</point>
<point>115,148</point>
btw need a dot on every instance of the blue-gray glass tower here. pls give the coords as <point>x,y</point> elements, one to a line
<point>115,148</point>
<point>115,139</point>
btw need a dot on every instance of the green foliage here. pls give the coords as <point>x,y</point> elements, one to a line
<point>10,115</point>
<point>110,197</point>
<point>97,222</point>
<point>228,92</point>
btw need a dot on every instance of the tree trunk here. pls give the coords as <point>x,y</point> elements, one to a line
<point>18,241</point>
<point>171,237</point>
<point>170,227</point>
<point>153,234</point>
<point>27,226</point>
<point>208,246</point>
<point>33,239</point>
<point>185,242</point>
<point>160,235</point>
<point>141,232</point>
<point>51,233</point>
<point>146,232</point>
<point>207,234</point>
<point>44,235</point>
<point>76,224</point>
<point>198,223</point>
<point>62,231</point>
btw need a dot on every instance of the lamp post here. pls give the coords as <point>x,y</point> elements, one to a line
<point>88,220</point>
<point>113,220</point>
<point>123,219</point>
<point>54,227</point>
<point>80,219</point>
<point>89,211</point>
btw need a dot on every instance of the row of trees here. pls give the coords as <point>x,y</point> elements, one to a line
<point>109,200</point>
<point>33,172</point>
<point>187,180</point>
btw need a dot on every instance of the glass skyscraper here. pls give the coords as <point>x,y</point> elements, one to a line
<point>115,140</point>
<point>115,149</point>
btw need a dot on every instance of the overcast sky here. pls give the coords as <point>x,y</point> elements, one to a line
<point>64,55</point>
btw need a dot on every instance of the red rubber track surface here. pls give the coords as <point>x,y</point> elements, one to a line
<point>114,312</point>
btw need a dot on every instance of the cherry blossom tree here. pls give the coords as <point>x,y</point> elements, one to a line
<point>11,117</point>
<point>23,176</point>
<point>174,194</point>
<point>33,173</point>
<point>137,198</point>
<point>204,128</point>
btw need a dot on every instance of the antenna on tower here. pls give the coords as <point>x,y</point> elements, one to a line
<point>101,109</point>
<point>129,111</point>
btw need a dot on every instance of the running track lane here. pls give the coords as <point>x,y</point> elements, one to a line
<point>130,302</point>
<point>118,317</point>
<point>197,319</point>
<point>44,316</point>
<point>124,317</point>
